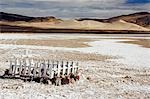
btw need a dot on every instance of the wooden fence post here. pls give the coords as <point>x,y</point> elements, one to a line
<point>29,67</point>
<point>45,68</point>
<point>34,69</point>
<point>20,68</point>
<point>48,64</point>
<point>71,67</point>
<point>64,67</point>
<point>25,65</point>
<point>40,67</point>
<point>59,69</point>
<point>76,68</point>
<point>14,67</point>
<point>68,72</point>
<point>52,70</point>
<point>11,67</point>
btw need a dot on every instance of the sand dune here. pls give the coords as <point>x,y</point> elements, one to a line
<point>86,24</point>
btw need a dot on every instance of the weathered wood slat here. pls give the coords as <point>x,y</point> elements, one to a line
<point>68,69</point>
<point>14,67</point>
<point>24,69</point>
<point>10,68</point>
<point>34,70</point>
<point>64,67</point>
<point>42,68</point>
<point>20,67</point>
<point>45,69</point>
<point>29,67</point>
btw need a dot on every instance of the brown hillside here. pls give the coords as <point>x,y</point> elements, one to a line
<point>141,18</point>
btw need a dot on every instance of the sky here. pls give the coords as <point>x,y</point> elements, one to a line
<point>75,8</point>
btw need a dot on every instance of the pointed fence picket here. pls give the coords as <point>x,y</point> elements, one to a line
<point>42,68</point>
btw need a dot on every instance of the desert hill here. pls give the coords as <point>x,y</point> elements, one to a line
<point>8,17</point>
<point>140,18</point>
<point>138,22</point>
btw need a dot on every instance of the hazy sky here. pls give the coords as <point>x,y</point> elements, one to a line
<point>74,8</point>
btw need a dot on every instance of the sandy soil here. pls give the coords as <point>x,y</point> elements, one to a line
<point>72,43</point>
<point>142,42</point>
<point>110,68</point>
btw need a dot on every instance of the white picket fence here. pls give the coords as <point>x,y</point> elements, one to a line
<point>42,68</point>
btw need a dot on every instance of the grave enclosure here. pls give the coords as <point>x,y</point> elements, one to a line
<point>29,68</point>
